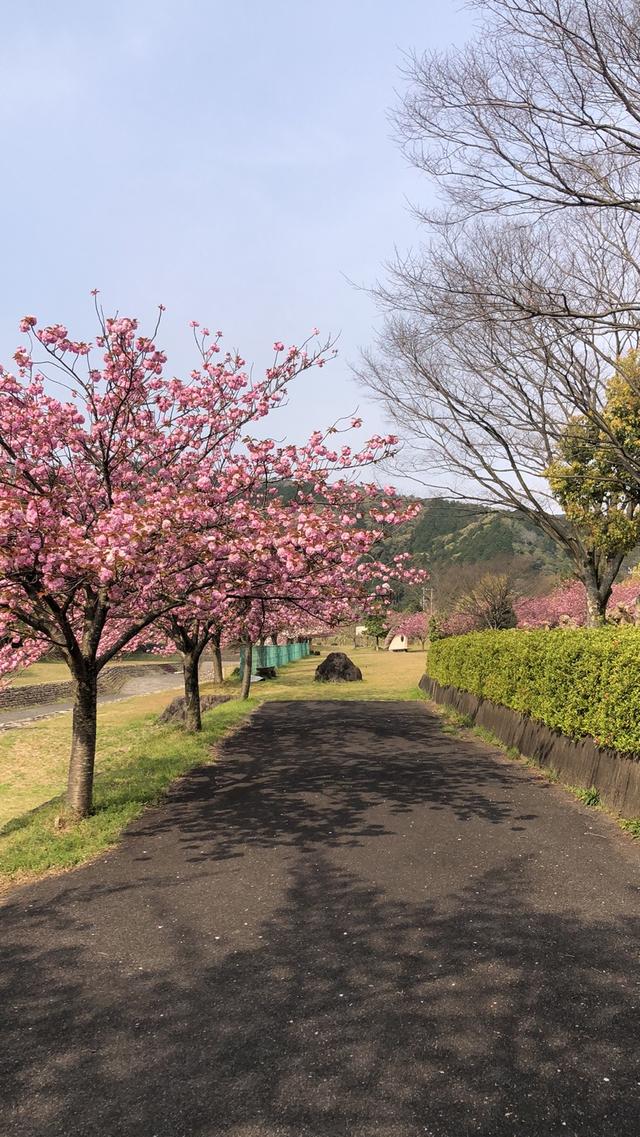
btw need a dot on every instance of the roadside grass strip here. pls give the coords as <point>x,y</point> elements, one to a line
<point>133,777</point>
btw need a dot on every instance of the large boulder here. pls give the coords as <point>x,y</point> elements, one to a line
<point>337,668</point>
<point>176,711</point>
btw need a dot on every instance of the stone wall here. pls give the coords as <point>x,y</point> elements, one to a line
<point>578,762</point>
<point>110,682</point>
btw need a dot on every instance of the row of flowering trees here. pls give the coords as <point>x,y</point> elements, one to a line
<point>135,508</point>
<point>568,604</point>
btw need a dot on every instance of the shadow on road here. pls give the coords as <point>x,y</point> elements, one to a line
<point>138,997</point>
<point>353,1016</point>
<point>298,777</point>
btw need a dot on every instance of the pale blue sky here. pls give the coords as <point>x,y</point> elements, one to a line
<point>233,161</point>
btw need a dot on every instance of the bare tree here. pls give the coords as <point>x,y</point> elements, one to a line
<point>556,309</point>
<point>452,580</point>
<point>541,111</point>
<point>490,603</point>
<point>538,116</point>
<point>477,397</point>
<point>515,317</point>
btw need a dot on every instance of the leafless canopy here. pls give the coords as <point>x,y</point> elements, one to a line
<point>512,316</point>
<point>542,110</point>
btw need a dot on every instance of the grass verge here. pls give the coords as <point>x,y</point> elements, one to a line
<point>385,675</point>
<point>58,672</point>
<point>42,840</point>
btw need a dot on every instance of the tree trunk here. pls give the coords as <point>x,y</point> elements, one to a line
<point>246,676</point>
<point>597,598</point>
<point>83,744</point>
<point>190,666</point>
<point>218,673</point>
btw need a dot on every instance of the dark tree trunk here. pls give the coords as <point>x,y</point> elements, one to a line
<point>83,743</point>
<point>598,584</point>
<point>190,666</point>
<point>246,676</point>
<point>218,673</point>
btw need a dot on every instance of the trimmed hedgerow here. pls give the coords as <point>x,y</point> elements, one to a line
<point>582,681</point>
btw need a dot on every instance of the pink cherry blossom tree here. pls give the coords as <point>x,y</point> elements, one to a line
<point>415,626</point>
<point>568,603</point>
<point>312,562</point>
<point>112,493</point>
<point>311,553</point>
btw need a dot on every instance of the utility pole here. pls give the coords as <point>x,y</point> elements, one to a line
<point>424,599</point>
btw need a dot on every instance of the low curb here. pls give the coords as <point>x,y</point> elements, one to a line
<point>578,762</point>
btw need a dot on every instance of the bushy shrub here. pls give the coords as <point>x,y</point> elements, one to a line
<point>582,681</point>
<point>490,603</point>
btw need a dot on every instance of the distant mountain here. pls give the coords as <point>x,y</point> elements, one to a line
<point>456,532</point>
<point>458,542</point>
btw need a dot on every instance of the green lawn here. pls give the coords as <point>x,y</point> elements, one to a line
<point>385,675</point>
<point>41,673</point>
<point>137,759</point>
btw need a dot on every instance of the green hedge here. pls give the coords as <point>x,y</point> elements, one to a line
<point>583,681</point>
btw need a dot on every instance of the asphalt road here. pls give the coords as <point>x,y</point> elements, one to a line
<point>11,717</point>
<point>353,926</point>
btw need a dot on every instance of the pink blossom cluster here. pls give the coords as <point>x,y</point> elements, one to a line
<point>456,624</point>
<point>413,625</point>
<point>569,600</point>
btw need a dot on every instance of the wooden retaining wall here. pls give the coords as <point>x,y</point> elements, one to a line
<point>578,762</point>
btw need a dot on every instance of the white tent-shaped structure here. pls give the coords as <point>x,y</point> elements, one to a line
<point>396,642</point>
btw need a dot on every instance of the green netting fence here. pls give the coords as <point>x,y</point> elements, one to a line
<point>274,655</point>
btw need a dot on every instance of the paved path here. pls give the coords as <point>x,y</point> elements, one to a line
<point>156,681</point>
<point>11,717</point>
<point>354,926</point>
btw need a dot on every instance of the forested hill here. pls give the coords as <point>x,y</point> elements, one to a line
<point>453,531</point>
<point>459,542</point>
